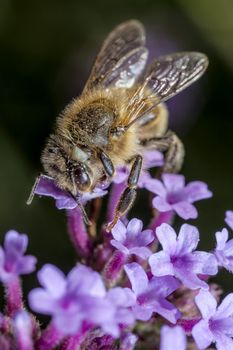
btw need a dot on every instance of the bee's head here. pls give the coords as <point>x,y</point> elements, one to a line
<point>68,166</point>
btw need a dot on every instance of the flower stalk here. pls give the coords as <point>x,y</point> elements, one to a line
<point>13,296</point>
<point>50,338</point>
<point>78,232</point>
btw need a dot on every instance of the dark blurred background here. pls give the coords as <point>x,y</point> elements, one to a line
<point>47,49</point>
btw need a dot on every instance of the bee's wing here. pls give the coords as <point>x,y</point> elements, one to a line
<point>122,57</point>
<point>166,77</point>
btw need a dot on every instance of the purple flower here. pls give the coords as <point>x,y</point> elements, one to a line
<point>229,218</point>
<point>179,258</point>
<point>46,186</point>
<point>131,239</point>
<point>151,159</point>
<point>23,331</point>
<point>173,195</point>
<point>150,294</point>
<point>69,300</point>
<point>12,260</point>
<point>173,338</point>
<point>79,297</point>
<point>120,299</point>
<point>224,250</point>
<point>216,325</point>
<point>128,341</point>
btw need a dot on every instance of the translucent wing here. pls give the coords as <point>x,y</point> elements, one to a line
<point>122,57</point>
<point>166,77</point>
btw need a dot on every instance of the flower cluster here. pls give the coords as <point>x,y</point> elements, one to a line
<point>135,288</point>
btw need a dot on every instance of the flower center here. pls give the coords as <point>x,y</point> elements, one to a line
<point>67,302</point>
<point>175,197</point>
<point>181,261</point>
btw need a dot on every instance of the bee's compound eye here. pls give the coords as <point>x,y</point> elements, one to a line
<point>82,178</point>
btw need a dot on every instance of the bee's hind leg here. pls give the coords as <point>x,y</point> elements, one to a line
<point>129,194</point>
<point>173,149</point>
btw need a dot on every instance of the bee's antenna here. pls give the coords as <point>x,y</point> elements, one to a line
<point>32,193</point>
<point>82,209</point>
<point>84,214</point>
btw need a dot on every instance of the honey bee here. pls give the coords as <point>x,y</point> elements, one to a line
<point>119,114</point>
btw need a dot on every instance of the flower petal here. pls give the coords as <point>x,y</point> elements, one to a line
<point>188,239</point>
<point>167,310</point>
<point>225,309</point>
<point>145,238</point>
<point>134,227</point>
<point>185,210</point>
<point>26,264</point>
<point>68,324</point>
<point>206,303</point>
<point>163,286</point>
<point>65,203</point>
<point>119,246</point>
<point>142,252</point>
<point>41,301</point>
<point>152,158</point>
<point>142,313</point>
<point>223,325</point>
<point>119,231</point>
<point>160,264</point>
<point>221,238</point>
<point>197,190</point>
<point>204,263</point>
<point>137,276</point>
<point>2,261</point>
<point>167,237</point>
<point>202,334</point>
<point>223,342</point>
<point>156,186</point>
<point>16,242</point>
<point>121,175</point>
<point>173,182</point>
<point>121,296</point>
<point>46,187</point>
<point>173,338</point>
<point>128,341</point>
<point>229,218</point>
<point>190,279</point>
<point>161,204</point>
<point>82,280</point>
<point>52,279</point>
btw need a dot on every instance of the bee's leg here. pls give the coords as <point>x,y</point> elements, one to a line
<point>173,148</point>
<point>128,196</point>
<point>107,163</point>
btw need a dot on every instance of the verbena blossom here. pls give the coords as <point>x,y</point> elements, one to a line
<point>172,338</point>
<point>23,330</point>
<point>13,262</point>
<point>128,341</point>
<point>151,294</point>
<point>46,186</point>
<point>120,299</point>
<point>71,300</point>
<point>216,325</point>
<point>224,250</point>
<point>229,218</point>
<point>131,239</point>
<point>151,159</point>
<point>179,258</point>
<point>173,195</point>
<point>110,309</point>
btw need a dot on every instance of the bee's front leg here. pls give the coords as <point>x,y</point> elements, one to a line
<point>128,196</point>
<point>173,149</point>
<point>107,163</point>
